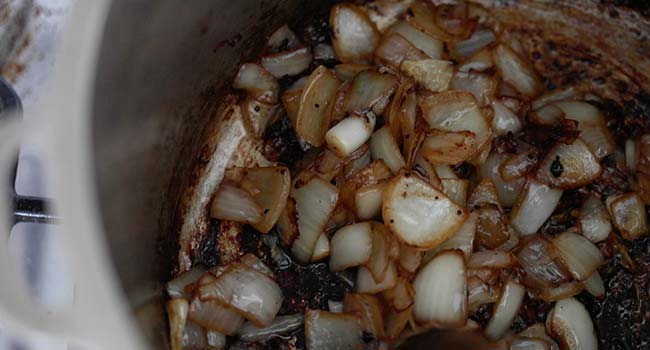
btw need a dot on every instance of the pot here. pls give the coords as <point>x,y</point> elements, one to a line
<point>136,129</point>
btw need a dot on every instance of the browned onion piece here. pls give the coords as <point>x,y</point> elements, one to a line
<point>384,13</point>
<point>347,71</point>
<point>591,125</point>
<point>581,257</point>
<point>366,283</point>
<point>367,309</point>
<point>462,239</point>
<point>546,115</point>
<point>181,285</point>
<point>427,171</point>
<point>595,223</point>
<point>271,189</point>
<point>418,214</point>
<point>535,204</point>
<point>491,259</point>
<point>322,248</point>
<point>491,227</point>
<point>331,331</point>
<point>368,201</point>
<point>482,86</point>
<point>399,297</point>
<point>177,310</point>
<point>569,166</point>
<point>354,36</point>
<point>213,315</point>
<point>506,309</point>
<point>442,304</point>
<point>445,171</point>
<point>434,75</point>
<point>564,93</point>
<point>595,285</point>
<point>456,190</point>
<point>570,323</point>
<point>379,258</point>
<point>282,39</point>
<point>291,104</point>
<point>484,194</point>
<point>479,293</point>
<point>488,276</point>
<point>351,246</point>
<point>394,49</point>
<point>518,165</point>
<point>430,46</point>
<point>258,114</point>
<point>383,146</point>
<point>452,18</point>
<point>508,191</point>
<point>254,263</point>
<point>374,173</point>
<point>538,331</point>
<point>287,63</point>
<point>317,97</point>
<point>542,270</point>
<point>287,224</point>
<point>396,322</point>
<point>478,40</point>
<point>409,258</point>
<point>505,121</point>
<point>628,215</point>
<point>423,18</point>
<point>235,204</point>
<point>258,82</point>
<point>402,110</point>
<point>370,90</point>
<point>280,326</point>
<point>516,71</point>
<point>449,147</point>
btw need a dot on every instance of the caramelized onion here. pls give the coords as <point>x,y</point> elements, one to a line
<point>579,255</point>
<point>534,205</point>
<point>368,201</point>
<point>570,322</point>
<point>367,309</point>
<point>270,188</point>
<point>287,63</point>
<point>354,36</point>
<point>482,86</point>
<point>569,166</point>
<point>434,75</point>
<point>508,191</point>
<point>234,204</point>
<point>516,71</point>
<point>379,258</point>
<point>282,39</point>
<point>258,82</point>
<point>595,285</point>
<point>506,310</point>
<point>350,133</point>
<point>395,49</point>
<point>177,310</point>
<point>249,332</point>
<point>180,285</point>
<point>212,315</point>
<point>322,248</point>
<point>594,220</point>
<point>505,121</point>
<point>491,259</point>
<point>366,282</point>
<point>317,97</point>
<point>331,331</point>
<point>462,239</point>
<point>478,40</point>
<point>401,296</point>
<point>628,215</point>
<point>429,45</point>
<point>370,90</point>
<point>591,125</point>
<point>383,146</point>
<point>538,258</point>
<point>449,147</point>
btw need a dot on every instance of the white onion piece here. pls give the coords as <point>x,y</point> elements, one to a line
<point>395,49</point>
<point>538,331</point>
<point>482,86</point>
<point>385,13</point>
<point>434,75</point>
<point>488,276</point>
<point>369,90</point>
<point>565,93</point>
<point>444,171</point>
<point>368,201</point>
<point>177,310</point>
<point>595,285</point>
<point>354,36</point>
<point>631,155</point>
<point>381,245</point>
<point>315,202</point>
<point>254,263</point>
<point>562,291</point>
<point>332,331</point>
<point>313,117</point>
<point>479,62</point>
<point>383,146</point>
<point>366,283</point>
<point>249,332</point>
<point>462,239</point>
<point>524,343</point>
<point>409,258</point>
<point>194,337</point>
<point>479,293</point>
<point>215,340</point>
<point>351,246</point>
<point>478,40</point>
<point>430,46</point>
<point>248,291</point>
<point>538,259</point>
<point>456,190</point>
<point>628,215</point>
<point>504,120</point>
<point>335,306</point>
<point>350,133</point>
<point>516,71</point>
<point>591,125</point>
<point>324,52</point>
<point>258,82</point>
<point>506,309</point>
<point>368,310</point>
<point>322,248</point>
<point>258,114</point>
<point>287,63</point>
<point>176,288</point>
<point>234,204</point>
<point>546,115</point>
<point>212,315</point>
<point>282,38</point>
<point>418,214</point>
<point>577,166</point>
<point>399,297</point>
<point>347,71</point>
<point>579,255</point>
<point>441,291</point>
<point>508,191</point>
<point>270,188</point>
<point>491,259</point>
<point>594,220</point>
<point>287,224</point>
<point>570,322</point>
<point>535,204</point>
<point>449,147</point>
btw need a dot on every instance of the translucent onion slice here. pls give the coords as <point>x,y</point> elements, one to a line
<point>445,171</point>
<point>374,173</point>
<point>235,204</point>
<point>332,331</point>
<point>394,49</point>
<point>516,71</point>
<point>456,190</point>
<point>381,245</point>
<point>368,310</point>
<point>441,304</point>
<point>385,13</point>
<point>569,166</point>
<point>177,310</point>
<point>270,188</point>
<point>212,315</point>
<point>570,322</point>
<point>479,62</point>
<point>628,215</point>
<point>409,258</point>
<point>366,283</point>
<point>564,93</point>
<point>564,290</point>
<point>350,133</point>
<point>351,246</point>
<point>491,228</point>
<point>591,125</point>
<point>433,75</point>
<point>508,191</point>
<point>396,322</point>
<point>291,104</point>
<point>180,286</point>
<point>287,63</point>
<point>316,100</point>
<point>462,239</point>
<point>327,164</point>
<point>195,337</point>
<point>258,82</point>
<point>324,52</point>
<point>478,40</point>
<point>595,285</point>
<point>383,146</point>
<point>401,296</point>
<point>287,224</point>
<point>480,293</point>
<point>315,202</point>
<point>505,121</point>
<point>484,195</point>
<point>546,115</point>
<point>535,204</point>
<point>282,325</point>
<point>594,220</point>
<point>538,331</point>
<point>449,147</point>
<point>579,255</point>
<point>518,165</point>
<point>538,258</point>
<point>282,39</point>
<point>506,309</point>
<point>354,36</point>
<point>482,86</point>
<point>491,259</point>
<point>427,171</point>
<point>258,114</point>
<point>370,90</point>
<point>418,214</point>
<point>347,71</point>
<point>322,248</point>
<point>254,263</point>
<point>429,45</point>
<point>423,18</point>
<point>368,201</point>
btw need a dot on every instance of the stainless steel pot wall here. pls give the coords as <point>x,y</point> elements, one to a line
<point>164,67</point>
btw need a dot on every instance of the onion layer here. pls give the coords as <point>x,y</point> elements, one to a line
<point>506,310</point>
<point>280,326</point>
<point>351,246</point>
<point>516,71</point>
<point>350,133</point>
<point>628,215</point>
<point>570,322</point>
<point>569,166</point>
<point>535,204</point>
<point>354,36</point>
<point>287,63</point>
<point>234,204</point>
<point>313,117</point>
<point>332,331</point>
<point>433,75</point>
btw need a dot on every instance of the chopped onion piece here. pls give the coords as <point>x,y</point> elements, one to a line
<point>535,204</point>
<point>591,125</point>
<point>423,18</point>
<point>215,340</point>
<point>594,220</point>
<point>418,214</point>
<point>491,259</point>
<point>212,315</point>
<point>254,263</point>
<point>370,90</point>
<point>427,171</point>
<point>374,173</point>
<point>434,75</point>
<point>368,201</point>
<point>565,93</point>
<point>270,188</point>
<point>177,310</point>
<point>441,291</point>
<point>395,49</point>
<point>350,133</point>
<point>282,39</point>
<point>478,40</point>
<point>315,202</point>
<point>444,171</point>
<point>482,86</point>
<point>516,71</point>
<point>449,147</point>
<point>287,63</point>
<point>631,155</point>
<point>396,322</point>
<point>401,296</point>
<point>366,283</point>
<point>564,290</point>
<point>324,52</point>
<point>569,166</point>
<point>234,204</point>
<point>456,190</point>
<point>409,258</point>
<point>479,62</point>
<point>628,215</point>
<point>322,249</point>
<point>524,343</point>
<point>462,239</point>
<point>479,293</point>
<point>570,322</point>
<point>178,287</point>
<point>538,259</point>
<point>347,71</point>
<point>505,121</point>
<point>258,82</point>
<point>430,46</point>
<point>506,310</point>
<point>508,191</point>
<point>280,326</point>
<point>287,224</point>
<point>354,36</point>
<point>595,285</point>
<point>383,146</point>
<point>351,246</point>
<point>385,13</point>
<point>331,331</point>
<point>194,337</point>
<point>538,331</point>
<point>491,227</point>
<point>258,114</point>
<point>579,255</point>
<point>367,309</point>
<point>317,97</point>
<point>518,165</point>
<point>381,245</point>
<point>546,115</point>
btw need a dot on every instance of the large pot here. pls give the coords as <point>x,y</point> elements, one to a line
<point>138,93</point>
